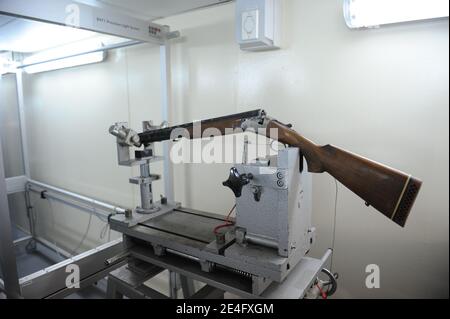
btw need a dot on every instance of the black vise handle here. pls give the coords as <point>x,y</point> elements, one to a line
<point>236,181</point>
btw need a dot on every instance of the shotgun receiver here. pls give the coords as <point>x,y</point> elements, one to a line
<point>390,191</point>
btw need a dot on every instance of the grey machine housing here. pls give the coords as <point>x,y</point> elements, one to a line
<point>275,207</point>
<point>279,217</point>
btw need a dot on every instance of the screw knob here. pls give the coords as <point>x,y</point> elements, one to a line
<point>236,181</point>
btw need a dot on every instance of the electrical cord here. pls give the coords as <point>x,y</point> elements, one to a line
<point>334,221</point>
<point>104,230</point>
<point>323,294</point>
<point>52,213</point>
<point>332,283</point>
<point>107,228</point>
<point>74,252</point>
<point>227,222</point>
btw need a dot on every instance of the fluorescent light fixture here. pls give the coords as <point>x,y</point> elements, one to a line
<point>371,13</point>
<point>66,56</point>
<point>27,36</point>
<point>66,62</point>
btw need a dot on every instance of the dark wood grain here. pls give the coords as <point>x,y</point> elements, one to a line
<point>390,191</point>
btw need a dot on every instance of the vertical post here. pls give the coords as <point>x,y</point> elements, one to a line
<point>23,130</point>
<point>146,191</point>
<point>165,108</point>
<point>7,253</point>
<point>24,141</point>
<point>173,285</point>
<point>187,285</point>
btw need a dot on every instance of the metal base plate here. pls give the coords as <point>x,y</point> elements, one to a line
<point>144,211</point>
<point>120,221</point>
<point>190,232</point>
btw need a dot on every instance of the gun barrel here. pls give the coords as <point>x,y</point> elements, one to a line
<point>220,123</point>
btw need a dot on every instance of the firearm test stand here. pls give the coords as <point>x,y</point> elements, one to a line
<point>263,255</point>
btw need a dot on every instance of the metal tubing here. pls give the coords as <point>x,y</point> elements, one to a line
<point>187,286</point>
<point>164,53</point>
<point>99,212</point>
<point>22,122</point>
<point>327,255</point>
<point>173,285</point>
<point>180,254</point>
<point>30,213</point>
<point>261,241</point>
<point>22,239</point>
<point>146,192</point>
<point>79,197</point>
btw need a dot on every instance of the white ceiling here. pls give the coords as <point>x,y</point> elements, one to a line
<point>153,9</point>
<point>22,35</point>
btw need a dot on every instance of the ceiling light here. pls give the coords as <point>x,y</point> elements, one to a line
<point>66,56</point>
<point>67,62</point>
<point>371,13</point>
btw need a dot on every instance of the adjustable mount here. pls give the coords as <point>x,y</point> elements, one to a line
<point>127,138</point>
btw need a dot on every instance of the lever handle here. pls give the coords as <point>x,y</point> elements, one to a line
<point>236,181</point>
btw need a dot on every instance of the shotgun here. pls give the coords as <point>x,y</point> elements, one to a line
<point>388,190</point>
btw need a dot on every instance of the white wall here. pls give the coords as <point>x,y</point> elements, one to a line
<point>68,115</point>
<point>381,93</point>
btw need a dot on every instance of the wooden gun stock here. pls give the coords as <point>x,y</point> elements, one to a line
<point>388,190</point>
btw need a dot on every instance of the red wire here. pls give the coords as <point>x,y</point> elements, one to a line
<point>227,221</point>
<point>324,295</point>
<point>229,214</point>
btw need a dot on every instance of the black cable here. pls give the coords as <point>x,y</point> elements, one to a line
<point>112,214</point>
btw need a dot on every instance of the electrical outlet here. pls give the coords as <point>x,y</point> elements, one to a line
<point>258,24</point>
<point>250,25</point>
